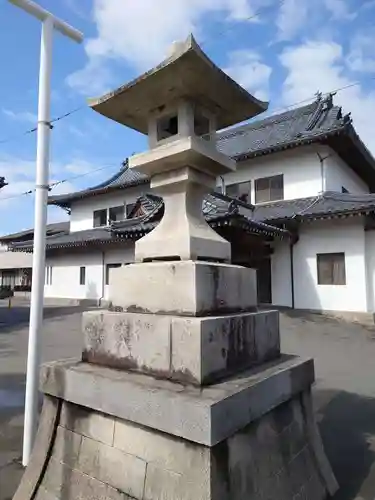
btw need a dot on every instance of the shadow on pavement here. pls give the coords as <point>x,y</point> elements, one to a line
<point>19,315</point>
<point>348,432</point>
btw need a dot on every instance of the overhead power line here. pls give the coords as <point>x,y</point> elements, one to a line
<point>281,108</point>
<point>52,185</point>
<point>34,129</point>
<point>277,4</point>
<point>62,181</point>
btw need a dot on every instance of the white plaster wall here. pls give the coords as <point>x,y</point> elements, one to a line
<point>65,276</point>
<point>118,256</point>
<point>325,237</point>
<point>337,174</point>
<point>281,275</point>
<point>82,211</point>
<point>370,269</point>
<point>14,260</point>
<point>66,272</point>
<point>300,166</point>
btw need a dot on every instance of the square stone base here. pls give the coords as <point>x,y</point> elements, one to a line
<point>183,288</point>
<point>188,349</point>
<point>270,458</point>
<point>270,449</point>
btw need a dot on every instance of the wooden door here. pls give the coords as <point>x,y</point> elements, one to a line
<point>264,284</point>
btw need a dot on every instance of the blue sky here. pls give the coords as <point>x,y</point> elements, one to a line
<point>285,54</point>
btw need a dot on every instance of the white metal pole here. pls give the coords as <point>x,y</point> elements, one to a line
<point>50,23</point>
<point>41,195</point>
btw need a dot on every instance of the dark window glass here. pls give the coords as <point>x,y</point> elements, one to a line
<point>129,209</point>
<point>269,189</point>
<point>108,267</point>
<point>116,213</point>
<point>82,275</point>
<point>100,218</point>
<point>9,278</point>
<point>331,268</point>
<point>167,127</point>
<point>242,191</point>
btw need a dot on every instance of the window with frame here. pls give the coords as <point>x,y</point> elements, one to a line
<point>48,275</point>
<point>269,189</point>
<point>82,275</point>
<point>8,278</point>
<point>331,268</point>
<point>116,213</point>
<point>107,270</point>
<point>242,191</point>
<point>100,218</point>
<point>167,126</point>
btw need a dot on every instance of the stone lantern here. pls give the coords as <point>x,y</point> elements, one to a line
<point>182,392</point>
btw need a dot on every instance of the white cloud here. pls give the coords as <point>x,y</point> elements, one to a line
<point>297,17</point>
<point>20,175</point>
<point>370,4</point>
<point>340,9</point>
<point>140,33</point>
<point>23,116</point>
<point>361,56</point>
<point>93,79</point>
<point>11,194</point>
<point>77,132</point>
<point>79,7</point>
<point>320,66</point>
<point>63,188</point>
<point>79,167</point>
<point>246,67</point>
<point>292,16</point>
<point>56,214</point>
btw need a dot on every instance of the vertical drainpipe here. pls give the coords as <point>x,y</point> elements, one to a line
<point>321,160</point>
<point>291,253</point>
<point>103,278</point>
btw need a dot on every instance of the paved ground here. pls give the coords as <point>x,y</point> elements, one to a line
<point>344,393</point>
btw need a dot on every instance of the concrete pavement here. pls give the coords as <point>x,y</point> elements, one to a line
<point>344,393</point>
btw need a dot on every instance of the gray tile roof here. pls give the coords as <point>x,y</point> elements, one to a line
<point>57,227</point>
<point>123,179</point>
<point>217,209</point>
<point>322,206</point>
<point>320,121</point>
<point>300,125</point>
<point>74,239</point>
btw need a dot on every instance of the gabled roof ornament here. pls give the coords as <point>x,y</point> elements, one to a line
<point>328,101</point>
<point>318,96</point>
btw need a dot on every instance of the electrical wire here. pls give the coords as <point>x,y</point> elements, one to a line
<point>52,185</point>
<point>76,110</point>
<point>279,3</point>
<point>273,110</point>
<point>34,129</point>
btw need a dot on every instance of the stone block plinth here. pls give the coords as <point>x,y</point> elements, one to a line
<point>119,435</point>
<point>206,415</point>
<point>188,349</point>
<point>184,288</point>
